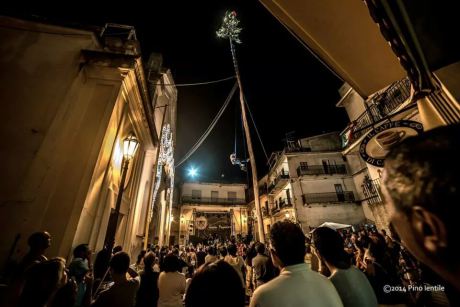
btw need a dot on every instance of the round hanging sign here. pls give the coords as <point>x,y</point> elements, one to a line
<point>379,141</point>
<point>201,223</point>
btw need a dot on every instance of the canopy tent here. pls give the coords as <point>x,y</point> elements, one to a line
<point>333,225</point>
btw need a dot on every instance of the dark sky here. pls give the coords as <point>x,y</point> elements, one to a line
<point>286,87</point>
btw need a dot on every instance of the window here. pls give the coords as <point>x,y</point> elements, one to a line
<point>326,166</point>
<point>232,196</point>
<point>339,191</point>
<point>288,196</point>
<point>303,165</point>
<point>214,195</point>
<point>196,194</point>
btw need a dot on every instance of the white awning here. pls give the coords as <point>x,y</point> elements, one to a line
<point>344,36</point>
<point>333,225</point>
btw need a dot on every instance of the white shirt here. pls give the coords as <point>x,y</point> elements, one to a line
<point>171,286</point>
<point>296,286</point>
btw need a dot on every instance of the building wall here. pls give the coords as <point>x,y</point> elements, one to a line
<point>316,214</point>
<point>323,142</point>
<point>313,214</point>
<point>55,131</point>
<point>353,103</point>
<point>314,158</point>
<point>65,121</point>
<point>206,189</point>
<point>325,185</point>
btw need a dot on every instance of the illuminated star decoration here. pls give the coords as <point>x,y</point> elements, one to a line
<point>229,28</point>
<point>192,172</point>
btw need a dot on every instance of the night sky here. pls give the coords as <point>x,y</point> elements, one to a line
<point>286,87</point>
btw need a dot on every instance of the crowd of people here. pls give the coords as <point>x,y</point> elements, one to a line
<point>327,267</point>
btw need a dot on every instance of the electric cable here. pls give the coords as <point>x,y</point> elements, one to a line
<point>194,84</point>
<point>209,129</point>
<point>257,130</point>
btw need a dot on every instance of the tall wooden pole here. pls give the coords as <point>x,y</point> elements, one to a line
<point>255,184</point>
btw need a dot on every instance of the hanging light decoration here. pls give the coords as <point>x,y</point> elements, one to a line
<point>165,158</point>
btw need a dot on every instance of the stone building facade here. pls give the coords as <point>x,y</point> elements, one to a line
<point>69,98</point>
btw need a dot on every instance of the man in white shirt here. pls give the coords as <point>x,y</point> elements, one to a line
<point>296,285</point>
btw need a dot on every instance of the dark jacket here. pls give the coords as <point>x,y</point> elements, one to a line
<point>148,292</point>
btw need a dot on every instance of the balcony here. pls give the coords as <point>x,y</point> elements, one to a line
<point>279,182</point>
<point>285,203</point>
<point>275,210</point>
<point>293,149</point>
<point>379,107</point>
<point>372,192</point>
<point>263,190</point>
<point>265,212</point>
<point>321,170</point>
<point>346,196</point>
<point>188,199</point>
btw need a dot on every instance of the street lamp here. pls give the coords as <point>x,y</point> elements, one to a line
<point>130,145</point>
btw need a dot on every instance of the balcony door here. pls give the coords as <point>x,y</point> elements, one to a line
<point>326,166</point>
<point>214,196</point>
<point>339,191</point>
<point>196,194</point>
<point>231,197</point>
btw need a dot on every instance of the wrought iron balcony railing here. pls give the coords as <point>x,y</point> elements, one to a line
<point>211,200</point>
<point>372,191</point>
<point>279,181</point>
<point>346,196</point>
<point>321,169</point>
<point>285,203</point>
<point>265,212</point>
<point>379,107</point>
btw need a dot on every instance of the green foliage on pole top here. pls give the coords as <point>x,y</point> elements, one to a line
<point>229,28</point>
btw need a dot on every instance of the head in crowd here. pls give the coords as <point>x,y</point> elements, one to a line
<point>250,254</point>
<point>422,182</point>
<point>81,251</point>
<point>175,252</point>
<point>119,264</point>
<point>140,256</point>
<point>39,241</point>
<point>215,284</point>
<point>260,248</point>
<point>117,249</point>
<point>211,251</point>
<point>171,263</point>
<point>149,261</point>
<point>232,250</point>
<point>287,244</point>
<point>223,251</point>
<point>330,247</point>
